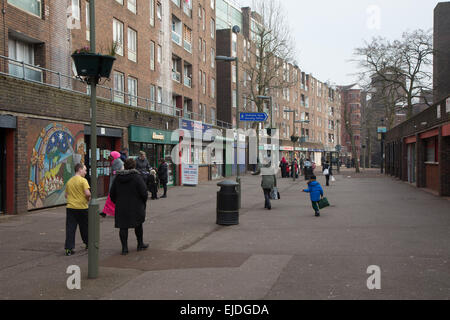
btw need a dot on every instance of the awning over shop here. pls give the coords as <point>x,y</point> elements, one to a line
<point>150,135</point>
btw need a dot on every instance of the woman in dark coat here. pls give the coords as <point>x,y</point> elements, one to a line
<point>163,176</point>
<point>284,167</point>
<point>129,193</point>
<point>330,173</point>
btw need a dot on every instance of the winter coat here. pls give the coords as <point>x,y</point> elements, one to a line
<point>142,165</point>
<point>129,194</point>
<point>268,182</point>
<point>163,173</point>
<point>116,165</point>
<point>315,190</point>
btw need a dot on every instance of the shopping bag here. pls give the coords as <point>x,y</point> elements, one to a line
<point>323,203</point>
<point>333,179</point>
<point>274,194</point>
<point>325,172</point>
<point>109,208</point>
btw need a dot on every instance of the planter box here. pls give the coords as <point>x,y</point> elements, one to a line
<point>93,65</point>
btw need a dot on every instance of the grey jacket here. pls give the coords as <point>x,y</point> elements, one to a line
<point>268,182</point>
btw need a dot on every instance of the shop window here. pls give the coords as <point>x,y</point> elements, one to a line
<point>431,150</point>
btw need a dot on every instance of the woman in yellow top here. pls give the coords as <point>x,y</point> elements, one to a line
<point>78,195</point>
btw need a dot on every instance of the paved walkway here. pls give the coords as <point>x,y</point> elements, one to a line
<point>284,253</point>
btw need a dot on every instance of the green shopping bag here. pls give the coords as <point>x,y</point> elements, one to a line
<point>323,203</point>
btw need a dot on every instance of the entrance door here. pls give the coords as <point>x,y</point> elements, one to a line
<point>412,162</point>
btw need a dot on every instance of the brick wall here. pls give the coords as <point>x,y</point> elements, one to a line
<point>441,41</point>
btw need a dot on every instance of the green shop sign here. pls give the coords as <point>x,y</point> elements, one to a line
<point>148,135</point>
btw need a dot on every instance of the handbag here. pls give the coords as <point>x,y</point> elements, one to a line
<point>326,172</point>
<point>274,194</point>
<point>333,178</point>
<point>109,208</point>
<point>323,203</point>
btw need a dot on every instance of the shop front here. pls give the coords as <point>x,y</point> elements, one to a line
<point>157,144</point>
<point>108,140</point>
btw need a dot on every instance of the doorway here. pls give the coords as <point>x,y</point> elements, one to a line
<point>2,170</point>
<point>412,163</point>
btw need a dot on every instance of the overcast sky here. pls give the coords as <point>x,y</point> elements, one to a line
<point>327,31</point>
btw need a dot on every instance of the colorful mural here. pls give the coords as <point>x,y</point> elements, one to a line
<point>53,156</point>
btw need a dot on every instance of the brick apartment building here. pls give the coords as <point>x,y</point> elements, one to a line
<point>163,79</point>
<point>310,99</point>
<point>418,150</point>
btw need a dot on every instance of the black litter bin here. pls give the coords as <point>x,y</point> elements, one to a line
<point>308,172</point>
<point>227,203</point>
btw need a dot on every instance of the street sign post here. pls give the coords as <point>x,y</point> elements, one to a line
<point>253,116</point>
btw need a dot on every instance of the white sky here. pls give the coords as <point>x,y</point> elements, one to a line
<point>327,31</point>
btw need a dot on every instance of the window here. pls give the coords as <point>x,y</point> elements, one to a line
<point>159,95</point>
<point>118,86</point>
<point>152,55</point>
<point>88,23</point>
<point>152,13</point>
<point>431,149</point>
<point>233,73</point>
<point>120,1</point>
<point>132,45</point>
<point>233,44</point>
<point>152,97</point>
<point>233,102</point>
<point>132,6</point>
<point>200,111</point>
<point>31,6</point>
<point>177,2</point>
<point>204,83</point>
<point>118,36</point>
<point>159,53</point>
<point>22,52</point>
<point>132,91</point>
<point>213,116</point>
<point>213,58</point>
<point>187,39</point>
<point>204,51</point>
<point>76,9</point>
<point>212,4</point>
<point>213,28</point>
<point>159,11</point>
<point>176,30</point>
<point>213,88</point>
<point>204,19</point>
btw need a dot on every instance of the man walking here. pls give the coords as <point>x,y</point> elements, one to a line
<point>163,176</point>
<point>78,196</point>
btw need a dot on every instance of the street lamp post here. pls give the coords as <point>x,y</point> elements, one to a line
<point>302,138</point>
<point>236,30</point>
<point>93,216</point>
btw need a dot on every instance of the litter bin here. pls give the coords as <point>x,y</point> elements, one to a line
<point>227,203</point>
<point>308,172</point>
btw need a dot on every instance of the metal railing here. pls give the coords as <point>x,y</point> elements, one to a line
<point>31,73</point>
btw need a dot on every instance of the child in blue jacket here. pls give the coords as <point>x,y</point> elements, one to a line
<point>315,192</point>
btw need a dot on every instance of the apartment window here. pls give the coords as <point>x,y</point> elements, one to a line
<point>132,45</point>
<point>152,97</point>
<point>213,88</point>
<point>132,6</point>
<point>75,9</point>
<point>88,23</point>
<point>233,102</point>
<point>204,83</point>
<point>119,79</point>
<point>204,19</point>
<point>118,36</point>
<point>31,6</point>
<point>199,11</point>
<point>176,30</point>
<point>213,4</point>
<point>177,2</point>
<point>200,44</point>
<point>152,13</point>
<point>187,39</point>
<point>200,111</point>
<point>213,28</point>
<point>159,53</point>
<point>213,58</point>
<point>233,44</point>
<point>233,73</point>
<point>245,79</point>
<point>204,51</point>
<point>200,78</point>
<point>245,50</point>
<point>152,55</point>
<point>159,11</point>
<point>132,91</point>
<point>159,95</point>
<point>213,116</point>
<point>120,1</point>
<point>22,52</point>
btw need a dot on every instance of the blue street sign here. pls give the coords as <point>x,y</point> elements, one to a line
<point>253,116</point>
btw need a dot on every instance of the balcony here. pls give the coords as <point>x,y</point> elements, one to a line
<point>187,46</point>
<point>188,82</point>
<point>176,76</point>
<point>18,70</point>
<point>176,38</point>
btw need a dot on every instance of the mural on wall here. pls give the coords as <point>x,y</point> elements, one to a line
<point>53,156</point>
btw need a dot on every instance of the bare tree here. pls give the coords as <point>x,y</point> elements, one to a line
<point>402,67</point>
<point>349,130</point>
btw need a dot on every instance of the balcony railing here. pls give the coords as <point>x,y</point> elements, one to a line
<point>176,76</point>
<point>13,68</point>
<point>176,38</point>
<point>187,46</point>
<point>188,82</point>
